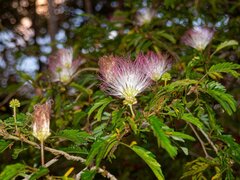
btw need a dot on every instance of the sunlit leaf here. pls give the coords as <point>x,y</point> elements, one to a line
<point>225,44</point>
<point>4,145</point>
<point>12,171</point>
<point>193,120</point>
<point>226,67</point>
<point>182,135</point>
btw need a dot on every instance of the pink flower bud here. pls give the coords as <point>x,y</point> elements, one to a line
<point>41,120</point>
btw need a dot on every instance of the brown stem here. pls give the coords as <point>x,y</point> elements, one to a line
<point>88,6</point>
<point>52,20</point>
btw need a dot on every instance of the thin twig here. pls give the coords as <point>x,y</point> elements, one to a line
<point>78,176</point>
<point>209,140</point>
<point>52,161</point>
<point>56,152</point>
<point>200,140</point>
<point>105,173</point>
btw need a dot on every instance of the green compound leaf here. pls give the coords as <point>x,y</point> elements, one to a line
<point>99,149</point>
<point>17,151</point>
<point>42,171</point>
<point>163,139</point>
<point>76,136</point>
<point>73,149</point>
<point>88,174</point>
<point>191,119</point>
<point>233,146</point>
<point>12,171</point>
<point>182,135</point>
<point>225,44</point>
<point>4,145</point>
<point>101,105</point>
<point>218,92</point>
<point>149,158</point>
<point>226,67</point>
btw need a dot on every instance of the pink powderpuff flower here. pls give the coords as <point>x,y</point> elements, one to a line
<point>61,65</point>
<point>145,16</point>
<point>41,121</point>
<point>122,78</point>
<point>154,65</point>
<point>198,37</point>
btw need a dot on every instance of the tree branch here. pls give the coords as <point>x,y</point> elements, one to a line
<point>56,152</point>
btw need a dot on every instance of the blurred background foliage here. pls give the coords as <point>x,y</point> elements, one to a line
<point>30,30</point>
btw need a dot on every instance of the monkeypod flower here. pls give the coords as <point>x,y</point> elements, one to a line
<point>61,65</point>
<point>154,65</point>
<point>41,121</point>
<point>122,78</point>
<point>145,16</point>
<point>198,37</point>
<point>106,67</point>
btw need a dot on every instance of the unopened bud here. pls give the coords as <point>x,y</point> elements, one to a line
<point>41,120</point>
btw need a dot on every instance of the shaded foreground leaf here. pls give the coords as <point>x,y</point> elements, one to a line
<point>42,171</point>
<point>162,138</point>
<point>149,158</point>
<point>99,148</point>
<point>76,136</point>
<point>12,171</point>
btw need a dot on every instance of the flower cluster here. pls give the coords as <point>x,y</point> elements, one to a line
<point>198,37</point>
<point>41,120</point>
<point>155,65</point>
<point>126,79</point>
<point>61,65</point>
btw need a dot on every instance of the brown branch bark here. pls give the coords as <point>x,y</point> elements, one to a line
<point>56,152</point>
<point>88,6</point>
<point>52,20</point>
